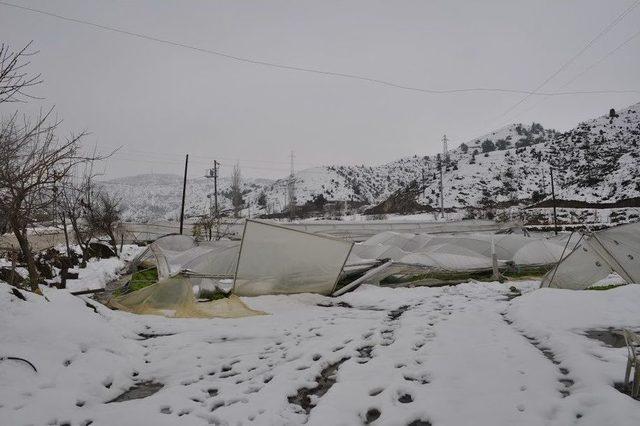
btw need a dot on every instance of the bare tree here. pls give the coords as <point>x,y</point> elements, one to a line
<point>74,200</point>
<point>33,163</point>
<point>14,79</point>
<point>104,214</point>
<point>236,191</point>
<point>203,228</point>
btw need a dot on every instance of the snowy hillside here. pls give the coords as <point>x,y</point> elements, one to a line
<point>158,196</point>
<point>597,161</point>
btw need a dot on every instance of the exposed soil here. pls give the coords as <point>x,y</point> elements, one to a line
<point>625,390</point>
<point>325,380</point>
<point>145,336</point>
<point>138,391</point>
<point>610,337</point>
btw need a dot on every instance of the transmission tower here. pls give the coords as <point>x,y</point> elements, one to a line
<point>445,150</point>
<point>441,188</point>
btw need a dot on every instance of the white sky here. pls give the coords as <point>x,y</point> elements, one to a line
<point>159,102</point>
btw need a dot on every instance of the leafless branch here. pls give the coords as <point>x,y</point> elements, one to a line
<point>14,78</point>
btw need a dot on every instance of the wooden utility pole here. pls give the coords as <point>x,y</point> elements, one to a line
<point>215,187</point>
<point>553,197</point>
<point>184,190</point>
<point>213,173</point>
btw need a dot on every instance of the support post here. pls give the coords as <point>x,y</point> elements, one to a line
<point>184,190</point>
<point>553,197</point>
<point>215,187</point>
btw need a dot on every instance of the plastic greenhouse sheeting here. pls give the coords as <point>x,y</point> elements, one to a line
<point>459,252</point>
<point>278,260</point>
<point>596,256</point>
<point>176,254</point>
<point>444,257</point>
<point>538,252</point>
<point>174,297</point>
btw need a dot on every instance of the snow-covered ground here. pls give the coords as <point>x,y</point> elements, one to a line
<point>448,356</point>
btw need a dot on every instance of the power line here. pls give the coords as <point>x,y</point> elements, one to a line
<point>200,156</point>
<point>287,67</point>
<point>573,58</point>
<point>583,72</point>
<point>122,156</point>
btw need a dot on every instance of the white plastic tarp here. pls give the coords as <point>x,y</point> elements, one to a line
<point>596,256</point>
<point>175,254</point>
<point>278,260</point>
<point>459,252</point>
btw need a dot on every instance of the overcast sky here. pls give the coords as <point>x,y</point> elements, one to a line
<point>159,102</point>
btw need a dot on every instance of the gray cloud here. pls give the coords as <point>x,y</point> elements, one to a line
<point>160,102</point>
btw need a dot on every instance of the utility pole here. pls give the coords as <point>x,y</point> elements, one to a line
<point>553,196</point>
<point>184,190</point>
<point>213,173</point>
<point>292,191</point>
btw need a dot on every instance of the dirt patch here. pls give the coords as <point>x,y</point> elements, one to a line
<point>325,380</point>
<point>334,305</point>
<point>138,391</point>
<point>620,387</point>
<point>145,336</point>
<point>611,338</point>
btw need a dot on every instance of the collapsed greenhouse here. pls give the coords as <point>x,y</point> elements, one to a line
<point>275,259</point>
<point>595,255</point>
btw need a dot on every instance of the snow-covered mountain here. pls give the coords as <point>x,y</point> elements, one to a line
<point>158,196</point>
<point>598,161</point>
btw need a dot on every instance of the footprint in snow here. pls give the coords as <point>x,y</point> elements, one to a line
<point>253,389</point>
<point>405,398</point>
<point>423,379</point>
<point>372,415</point>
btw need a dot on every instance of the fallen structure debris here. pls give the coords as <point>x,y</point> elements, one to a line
<point>277,260</point>
<point>595,255</point>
